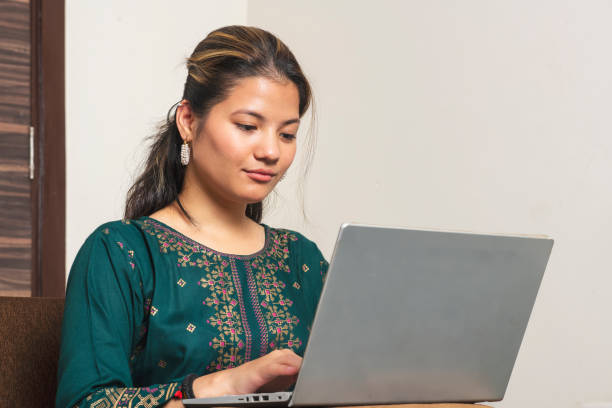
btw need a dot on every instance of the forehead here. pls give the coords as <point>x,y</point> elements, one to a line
<point>275,100</point>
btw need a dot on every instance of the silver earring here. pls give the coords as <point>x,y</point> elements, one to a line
<point>185,153</point>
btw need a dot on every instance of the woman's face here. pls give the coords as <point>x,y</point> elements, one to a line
<point>247,141</point>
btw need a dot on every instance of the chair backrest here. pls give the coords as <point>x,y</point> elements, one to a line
<point>30,334</point>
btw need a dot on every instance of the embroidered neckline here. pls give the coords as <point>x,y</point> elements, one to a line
<point>168,229</point>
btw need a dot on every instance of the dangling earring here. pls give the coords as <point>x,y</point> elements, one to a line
<point>185,153</point>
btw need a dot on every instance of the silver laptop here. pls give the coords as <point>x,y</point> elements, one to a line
<point>414,316</point>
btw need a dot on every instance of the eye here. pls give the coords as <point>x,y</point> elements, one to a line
<point>247,128</point>
<point>288,136</point>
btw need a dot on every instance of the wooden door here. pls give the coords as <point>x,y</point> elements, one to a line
<point>15,120</point>
<point>32,158</point>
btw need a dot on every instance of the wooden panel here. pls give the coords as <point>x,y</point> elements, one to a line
<point>15,185</point>
<point>50,232</point>
<point>15,217</point>
<point>14,62</point>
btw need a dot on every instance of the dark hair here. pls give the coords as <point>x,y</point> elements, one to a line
<point>218,62</point>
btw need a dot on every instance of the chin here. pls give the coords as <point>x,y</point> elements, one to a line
<point>255,195</point>
<point>253,198</point>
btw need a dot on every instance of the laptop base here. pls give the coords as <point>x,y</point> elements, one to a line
<point>271,399</point>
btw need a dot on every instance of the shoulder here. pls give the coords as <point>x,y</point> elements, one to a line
<point>125,228</point>
<point>297,243</point>
<point>291,237</point>
<point>122,233</point>
<point>111,243</point>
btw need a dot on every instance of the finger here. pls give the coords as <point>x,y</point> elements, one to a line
<point>286,356</point>
<point>290,370</point>
<point>275,370</point>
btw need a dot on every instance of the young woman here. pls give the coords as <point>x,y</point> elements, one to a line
<point>191,295</point>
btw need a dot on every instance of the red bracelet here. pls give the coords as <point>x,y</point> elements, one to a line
<point>178,395</point>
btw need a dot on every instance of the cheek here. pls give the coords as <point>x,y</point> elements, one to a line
<point>289,155</point>
<point>221,145</point>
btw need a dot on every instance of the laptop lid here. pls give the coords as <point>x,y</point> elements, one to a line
<point>410,316</point>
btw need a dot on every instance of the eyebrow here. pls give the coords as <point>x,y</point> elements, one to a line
<point>260,116</point>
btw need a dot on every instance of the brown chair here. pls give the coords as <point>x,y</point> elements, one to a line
<point>30,333</point>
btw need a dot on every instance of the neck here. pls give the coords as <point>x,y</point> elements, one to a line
<point>204,208</point>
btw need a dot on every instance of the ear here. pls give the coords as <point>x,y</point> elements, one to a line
<point>186,121</point>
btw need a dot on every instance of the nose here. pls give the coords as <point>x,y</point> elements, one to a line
<point>268,147</point>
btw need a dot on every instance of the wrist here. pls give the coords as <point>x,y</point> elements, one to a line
<point>213,385</point>
<point>174,403</point>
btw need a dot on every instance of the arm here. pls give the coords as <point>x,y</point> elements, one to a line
<point>103,309</point>
<point>275,371</point>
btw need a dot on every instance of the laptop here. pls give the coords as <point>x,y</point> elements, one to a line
<point>414,316</point>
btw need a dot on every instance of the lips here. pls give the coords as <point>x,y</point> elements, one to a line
<point>260,174</point>
<point>262,171</point>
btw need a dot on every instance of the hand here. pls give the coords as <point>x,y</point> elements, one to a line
<point>275,371</point>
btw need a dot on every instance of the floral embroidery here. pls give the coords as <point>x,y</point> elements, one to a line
<point>121,397</point>
<point>280,321</point>
<point>130,254</point>
<point>291,342</point>
<point>305,268</point>
<point>255,304</point>
<point>245,323</point>
<point>162,364</point>
<point>225,298</point>
<point>153,310</point>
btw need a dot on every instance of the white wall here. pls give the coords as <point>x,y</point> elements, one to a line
<point>124,69</point>
<point>483,115</point>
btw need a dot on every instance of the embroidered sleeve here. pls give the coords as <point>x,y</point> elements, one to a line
<point>120,397</point>
<point>103,310</point>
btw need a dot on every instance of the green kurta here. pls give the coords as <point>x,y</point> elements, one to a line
<point>146,305</point>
